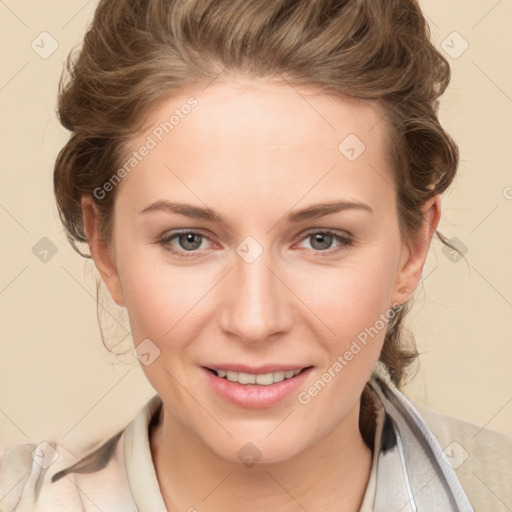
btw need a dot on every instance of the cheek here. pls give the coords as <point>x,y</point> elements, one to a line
<point>350,298</point>
<point>160,300</point>
<point>355,306</point>
<point>167,306</point>
<point>152,291</point>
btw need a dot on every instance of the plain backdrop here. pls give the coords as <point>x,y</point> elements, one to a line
<point>56,377</point>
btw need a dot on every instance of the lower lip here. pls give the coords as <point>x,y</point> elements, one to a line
<point>255,395</point>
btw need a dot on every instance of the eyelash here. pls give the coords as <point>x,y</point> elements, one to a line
<point>344,241</point>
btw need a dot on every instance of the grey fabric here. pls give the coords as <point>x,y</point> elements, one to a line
<point>412,472</point>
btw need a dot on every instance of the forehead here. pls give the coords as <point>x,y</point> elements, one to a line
<point>260,136</point>
<point>271,112</point>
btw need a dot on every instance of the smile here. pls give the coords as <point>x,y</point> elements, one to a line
<point>263,379</point>
<point>259,388</point>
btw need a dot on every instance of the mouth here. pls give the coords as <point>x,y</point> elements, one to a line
<point>262,379</point>
<point>256,388</point>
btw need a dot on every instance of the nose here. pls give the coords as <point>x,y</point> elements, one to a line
<point>256,303</point>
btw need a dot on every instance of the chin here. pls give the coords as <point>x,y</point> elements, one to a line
<point>251,450</point>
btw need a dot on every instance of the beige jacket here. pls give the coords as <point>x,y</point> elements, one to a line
<point>482,459</point>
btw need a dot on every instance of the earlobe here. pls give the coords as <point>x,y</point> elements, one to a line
<point>415,254</point>
<point>101,250</point>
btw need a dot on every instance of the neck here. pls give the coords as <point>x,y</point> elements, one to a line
<point>331,474</point>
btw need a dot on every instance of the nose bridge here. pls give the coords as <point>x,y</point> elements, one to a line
<point>255,306</point>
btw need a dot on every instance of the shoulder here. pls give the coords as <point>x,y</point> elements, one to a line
<point>481,457</point>
<point>15,467</point>
<point>23,468</point>
<point>57,476</point>
<point>46,476</point>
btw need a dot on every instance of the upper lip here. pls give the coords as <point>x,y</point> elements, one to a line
<point>256,370</point>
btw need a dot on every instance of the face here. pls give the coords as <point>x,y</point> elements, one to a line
<point>225,262</point>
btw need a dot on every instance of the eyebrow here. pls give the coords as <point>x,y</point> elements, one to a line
<point>310,212</point>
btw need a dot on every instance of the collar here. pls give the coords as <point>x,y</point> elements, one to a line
<point>412,471</point>
<point>140,469</point>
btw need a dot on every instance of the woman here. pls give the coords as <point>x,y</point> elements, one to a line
<point>258,184</point>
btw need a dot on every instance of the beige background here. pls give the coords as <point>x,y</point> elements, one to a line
<point>55,375</point>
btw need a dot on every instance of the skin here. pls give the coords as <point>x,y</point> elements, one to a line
<point>254,152</point>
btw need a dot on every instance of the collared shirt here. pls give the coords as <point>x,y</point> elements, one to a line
<point>412,468</point>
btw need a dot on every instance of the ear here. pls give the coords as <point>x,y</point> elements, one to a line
<point>415,253</point>
<point>101,250</point>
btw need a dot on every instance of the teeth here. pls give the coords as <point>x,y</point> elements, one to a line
<point>264,379</point>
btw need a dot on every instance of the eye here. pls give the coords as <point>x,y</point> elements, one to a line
<point>321,241</point>
<point>188,242</point>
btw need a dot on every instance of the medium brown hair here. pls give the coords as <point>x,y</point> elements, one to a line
<point>137,52</point>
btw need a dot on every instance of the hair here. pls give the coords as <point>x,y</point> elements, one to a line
<point>136,53</point>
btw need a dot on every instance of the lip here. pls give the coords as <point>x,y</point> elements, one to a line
<point>255,396</point>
